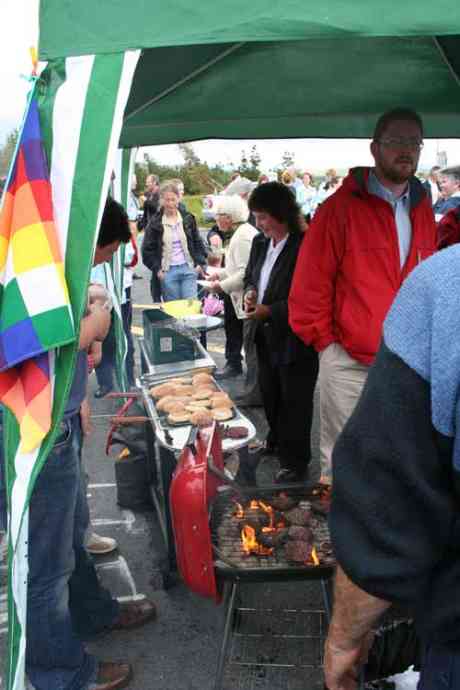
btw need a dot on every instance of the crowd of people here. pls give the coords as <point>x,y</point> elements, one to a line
<point>331,285</point>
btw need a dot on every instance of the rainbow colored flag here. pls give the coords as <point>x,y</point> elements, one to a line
<point>35,314</point>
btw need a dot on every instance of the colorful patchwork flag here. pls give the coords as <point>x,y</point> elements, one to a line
<point>35,314</point>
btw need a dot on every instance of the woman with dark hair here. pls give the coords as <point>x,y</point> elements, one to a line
<point>288,368</point>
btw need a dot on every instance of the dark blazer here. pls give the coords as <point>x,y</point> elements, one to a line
<point>152,246</point>
<point>284,346</point>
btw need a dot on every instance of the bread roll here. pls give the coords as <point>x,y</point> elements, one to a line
<point>185,390</point>
<point>174,406</point>
<point>201,378</point>
<point>221,403</point>
<point>178,417</point>
<point>197,405</point>
<point>202,394</point>
<point>201,418</point>
<point>221,414</point>
<point>162,401</point>
<point>163,389</point>
<point>181,381</point>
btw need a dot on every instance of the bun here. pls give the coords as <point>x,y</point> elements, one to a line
<point>178,417</point>
<point>181,381</point>
<point>197,405</point>
<point>174,406</point>
<point>202,378</point>
<point>202,394</point>
<point>222,414</point>
<point>222,402</point>
<point>201,418</point>
<point>162,390</point>
<point>163,401</point>
<point>185,389</point>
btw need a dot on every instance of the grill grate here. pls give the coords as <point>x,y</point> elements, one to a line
<point>226,536</point>
<point>276,649</point>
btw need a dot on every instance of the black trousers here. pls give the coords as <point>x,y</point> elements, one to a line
<point>233,327</point>
<point>287,393</point>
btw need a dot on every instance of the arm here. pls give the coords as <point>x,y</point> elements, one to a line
<point>311,299</point>
<point>241,251</point>
<point>94,326</point>
<point>199,250</point>
<point>349,636</point>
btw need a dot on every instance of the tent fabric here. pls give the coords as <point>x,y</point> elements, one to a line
<point>323,88</point>
<point>108,26</point>
<point>259,70</point>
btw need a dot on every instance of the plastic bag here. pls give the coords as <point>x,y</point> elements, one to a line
<point>212,305</point>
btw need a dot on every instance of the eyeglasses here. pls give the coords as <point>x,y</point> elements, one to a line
<point>402,143</point>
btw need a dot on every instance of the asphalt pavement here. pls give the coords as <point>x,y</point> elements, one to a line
<point>277,627</point>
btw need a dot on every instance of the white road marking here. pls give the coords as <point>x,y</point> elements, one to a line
<point>101,486</point>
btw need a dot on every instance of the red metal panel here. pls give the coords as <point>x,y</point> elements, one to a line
<point>192,489</point>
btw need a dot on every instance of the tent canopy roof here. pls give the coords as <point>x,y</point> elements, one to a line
<point>254,70</point>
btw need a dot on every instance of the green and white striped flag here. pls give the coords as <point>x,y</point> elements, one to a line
<point>121,190</point>
<point>82,101</point>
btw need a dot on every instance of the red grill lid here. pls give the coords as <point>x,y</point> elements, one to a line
<point>192,489</point>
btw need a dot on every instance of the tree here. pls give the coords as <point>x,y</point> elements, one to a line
<point>287,160</point>
<point>7,151</point>
<point>189,155</point>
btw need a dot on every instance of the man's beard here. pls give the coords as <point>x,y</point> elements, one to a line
<point>395,174</point>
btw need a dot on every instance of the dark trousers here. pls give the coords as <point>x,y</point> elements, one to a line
<point>287,393</point>
<point>155,288</point>
<point>127,315</point>
<point>233,327</point>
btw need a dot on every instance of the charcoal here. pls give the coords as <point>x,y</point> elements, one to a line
<point>273,539</point>
<point>297,551</point>
<point>283,501</point>
<point>298,516</point>
<point>298,533</point>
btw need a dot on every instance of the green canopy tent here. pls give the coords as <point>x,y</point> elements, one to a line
<point>262,70</point>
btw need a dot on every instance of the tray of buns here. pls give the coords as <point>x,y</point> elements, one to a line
<point>191,400</point>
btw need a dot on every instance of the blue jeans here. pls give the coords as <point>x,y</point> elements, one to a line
<point>65,601</point>
<point>440,669</point>
<point>179,283</point>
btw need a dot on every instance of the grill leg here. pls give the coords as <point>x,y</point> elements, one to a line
<point>326,588</point>
<point>227,629</point>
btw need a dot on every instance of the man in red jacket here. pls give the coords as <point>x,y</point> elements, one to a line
<point>363,242</point>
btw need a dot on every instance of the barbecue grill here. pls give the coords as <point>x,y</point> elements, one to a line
<point>209,511</point>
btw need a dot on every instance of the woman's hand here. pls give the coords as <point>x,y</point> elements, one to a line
<point>213,277</point>
<point>160,274</point>
<point>200,271</point>
<point>215,287</point>
<point>250,300</point>
<point>85,418</point>
<point>262,312</point>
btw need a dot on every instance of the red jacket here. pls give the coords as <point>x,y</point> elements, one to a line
<point>348,269</point>
<point>449,229</point>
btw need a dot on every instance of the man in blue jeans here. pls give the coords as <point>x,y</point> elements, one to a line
<point>395,512</point>
<point>66,604</point>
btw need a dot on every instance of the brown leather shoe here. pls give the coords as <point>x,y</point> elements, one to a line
<point>134,614</point>
<point>112,676</point>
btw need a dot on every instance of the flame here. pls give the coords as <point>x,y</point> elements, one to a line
<point>314,556</point>
<point>250,543</point>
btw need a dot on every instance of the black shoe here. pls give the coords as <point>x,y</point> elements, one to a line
<point>287,476</point>
<point>228,372</point>
<point>102,392</point>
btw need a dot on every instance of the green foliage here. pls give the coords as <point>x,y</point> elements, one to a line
<point>194,204</point>
<point>198,177</point>
<point>7,151</point>
<point>287,160</point>
<point>250,167</point>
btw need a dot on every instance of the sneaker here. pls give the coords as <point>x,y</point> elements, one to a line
<point>99,546</point>
<point>111,676</point>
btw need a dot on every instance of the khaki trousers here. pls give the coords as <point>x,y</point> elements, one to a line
<point>341,380</point>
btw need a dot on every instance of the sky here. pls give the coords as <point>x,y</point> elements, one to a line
<point>19,30</point>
